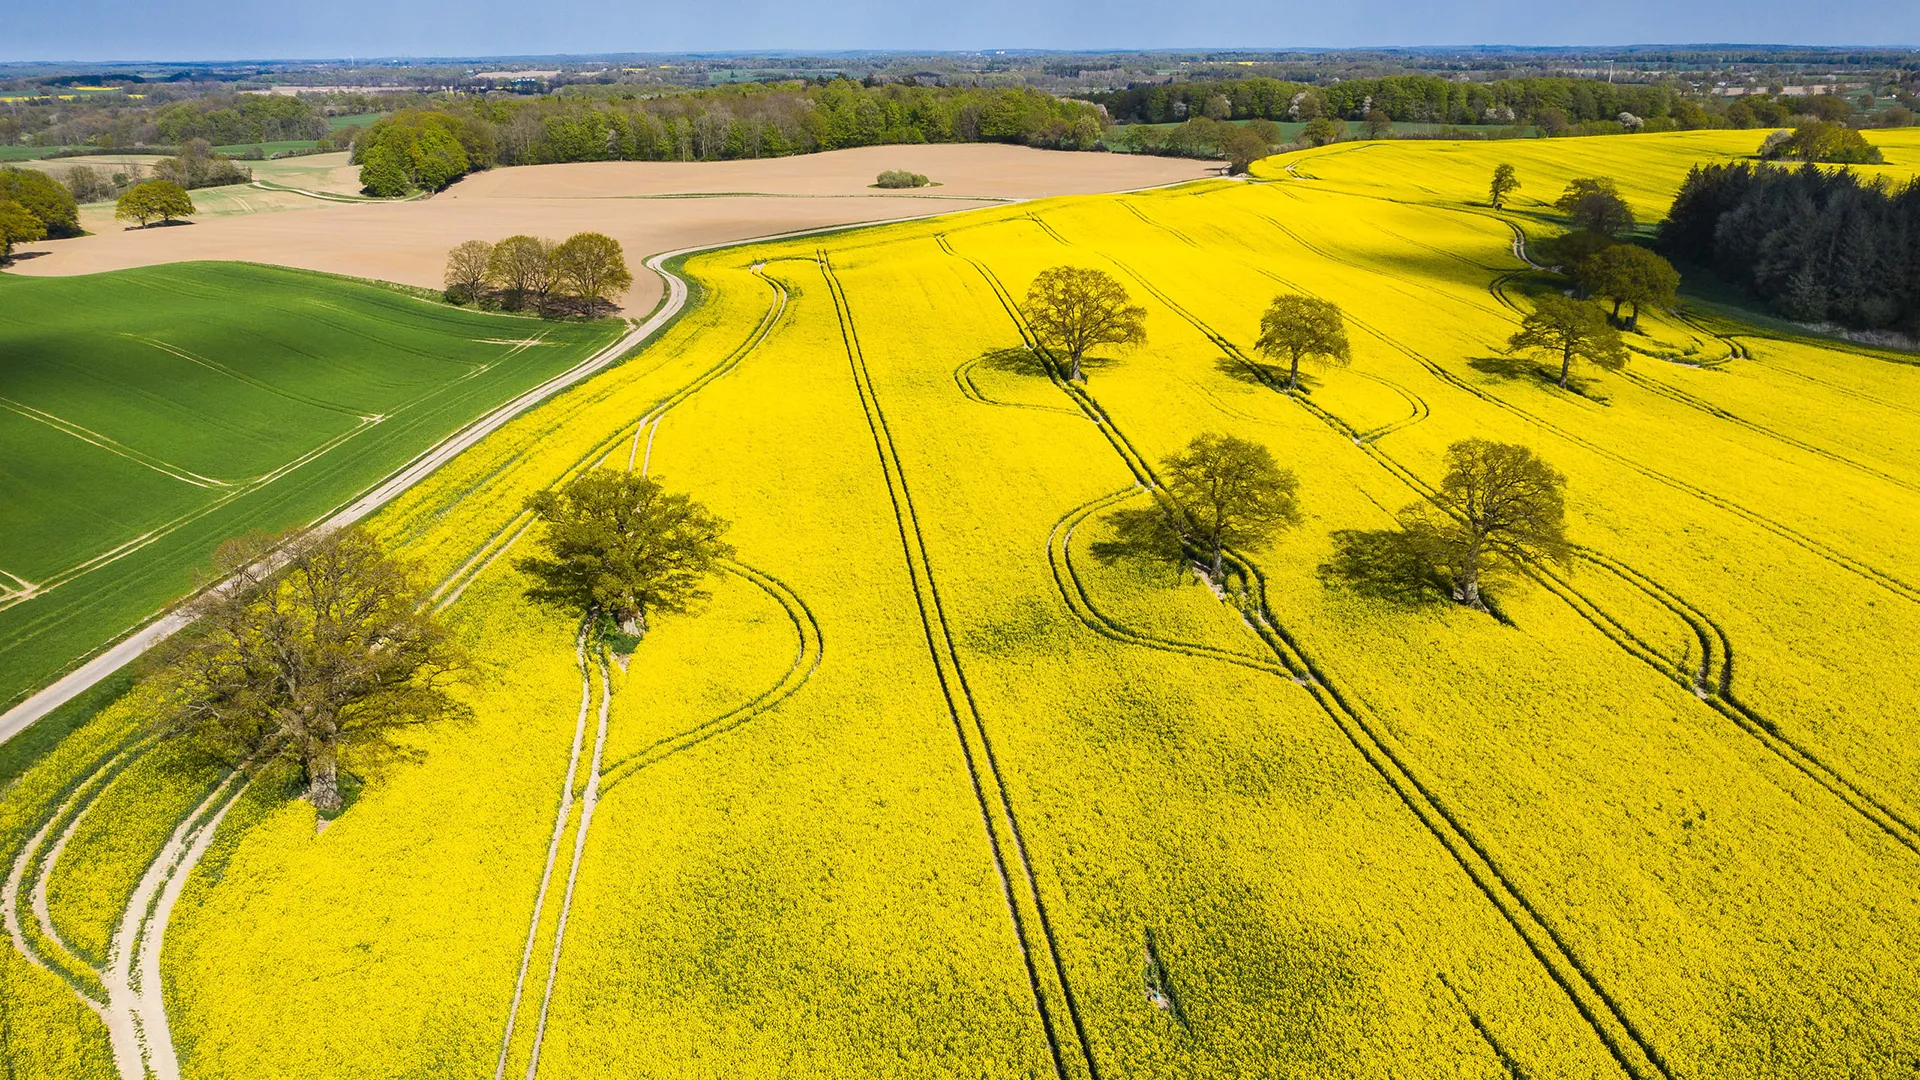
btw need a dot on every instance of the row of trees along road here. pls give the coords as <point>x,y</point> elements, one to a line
<point>1497,508</point>
<point>582,274</point>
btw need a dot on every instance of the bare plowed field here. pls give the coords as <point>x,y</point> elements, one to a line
<point>648,206</point>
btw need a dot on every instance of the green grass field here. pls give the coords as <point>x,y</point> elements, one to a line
<point>175,406</point>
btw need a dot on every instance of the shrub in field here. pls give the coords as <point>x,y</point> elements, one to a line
<point>154,200</point>
<point>198,166</point>
<point>1072,309</point>
<point>619,546</point>
<point>334,658</point>
<point>901,178</point>
<point>1821,140</point>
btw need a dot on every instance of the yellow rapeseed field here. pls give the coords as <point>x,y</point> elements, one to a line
<point>930,788</point>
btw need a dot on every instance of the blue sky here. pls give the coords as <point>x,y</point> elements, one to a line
<point>222,29</point>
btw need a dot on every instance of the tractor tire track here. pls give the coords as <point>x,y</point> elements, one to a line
<point>1018,882</point>
<point>1630,1049</point>
<point>808,654</point>
<point>561,818</point>
<point>963,378</point>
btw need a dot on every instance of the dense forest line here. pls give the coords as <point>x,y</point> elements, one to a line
<point>1817,245</point>
<point>1555,104</point>
<point>417,147</point>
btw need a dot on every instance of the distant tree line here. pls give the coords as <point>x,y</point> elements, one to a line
<point>239,118</point>
<point>749,121</point>
<point>1816,245</point>
<point>1556,105</point>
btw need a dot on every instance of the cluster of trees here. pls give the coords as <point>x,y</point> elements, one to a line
<point>154,200</point>
<point>196,165</point>
<point>227,119</point>
<point>1819,140</point>
<point>582,274</point>
<point>1498,508</point>
<point>1816,245</point>
<point>1202,137</point>
<point>901,178</point>
<point>748,121</point>
<point>34,206</point>
<point>420,149</point>
<point>1592,253</point>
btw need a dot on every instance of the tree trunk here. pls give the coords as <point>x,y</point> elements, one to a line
<point>1293,375</point>
<point>1616,310</point>
<point>1566,362</point>
<point>1219,563</point>
<point>1466,589</point>
<point>1633,321</point>
<point>634,622</point>
<point>323,779</point>
<point>1075,375</point>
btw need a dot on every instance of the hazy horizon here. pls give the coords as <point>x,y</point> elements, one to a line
<point>106,31</point>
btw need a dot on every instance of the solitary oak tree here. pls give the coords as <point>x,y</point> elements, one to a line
<point>620,547</point>
<point>1498,507</point>
<point>309,651</point>
<point>1229,492</point>
<point>1297,328</point>
<point>1072,309</point>
<point>1571,331</point>
<point>154,200</point>
<point>1505,182</point>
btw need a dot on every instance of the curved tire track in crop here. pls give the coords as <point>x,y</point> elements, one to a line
<point>1006,842</point>
<point>808,653</point>
<point>1636,1056</point>
<point>963,378</point>
<point>1073,591</point>
<point>126,994</point>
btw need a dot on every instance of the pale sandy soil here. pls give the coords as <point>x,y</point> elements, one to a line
<point>408,242</point>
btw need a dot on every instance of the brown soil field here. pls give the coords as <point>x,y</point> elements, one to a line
<point>649,207</point>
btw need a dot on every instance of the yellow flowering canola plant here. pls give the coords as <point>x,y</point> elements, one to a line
<point>930,787</point>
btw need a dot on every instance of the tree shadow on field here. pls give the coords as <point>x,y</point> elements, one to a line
<point>1019,360</point>
<point>1272,376</point>
<point>1383,564</point>
<point>1144,536</point>
<point>1526,369</point>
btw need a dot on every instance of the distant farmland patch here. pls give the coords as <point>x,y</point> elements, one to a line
<point>177,406</point>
